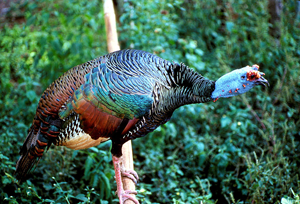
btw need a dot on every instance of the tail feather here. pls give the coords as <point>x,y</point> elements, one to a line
<point>28,158</point>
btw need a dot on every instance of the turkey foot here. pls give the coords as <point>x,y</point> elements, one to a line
<point>119,170</point>
<point>131,174</point>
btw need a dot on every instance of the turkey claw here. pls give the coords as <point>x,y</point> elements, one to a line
<point>131,192</point>
<point>128,192</point>
<point>125,195</point>
<point>131,174</point>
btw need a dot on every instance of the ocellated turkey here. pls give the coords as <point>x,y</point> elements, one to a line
<point>120,96</point>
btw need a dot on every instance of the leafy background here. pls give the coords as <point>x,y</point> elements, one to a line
<point>238,150</point>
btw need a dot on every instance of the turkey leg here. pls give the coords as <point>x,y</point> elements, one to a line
<point>121,171</point>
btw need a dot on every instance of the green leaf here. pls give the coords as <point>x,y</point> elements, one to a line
<point>31,20</point>
<point>287,201</point>
<point>225,121</point>
<point>81,197</point>
<point>229,26</point>
<point>31,95</point>
<point>199,52</point>
<point>88,165</point>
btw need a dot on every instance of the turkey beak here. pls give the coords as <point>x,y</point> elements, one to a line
<point>262,81</point>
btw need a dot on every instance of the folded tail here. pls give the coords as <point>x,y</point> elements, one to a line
<point>31,152</point>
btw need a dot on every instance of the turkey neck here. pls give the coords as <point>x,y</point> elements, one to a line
<point>187,87</point>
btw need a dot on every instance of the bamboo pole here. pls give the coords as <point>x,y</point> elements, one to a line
<point>113,45</point>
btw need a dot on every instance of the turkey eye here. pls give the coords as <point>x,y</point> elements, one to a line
<point>243,77</point>
<point>252,76</point>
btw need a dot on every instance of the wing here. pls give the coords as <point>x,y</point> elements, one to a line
<point>117,93</point>
<point>91,102</point>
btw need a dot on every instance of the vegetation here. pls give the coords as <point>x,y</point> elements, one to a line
<point>238,150</point>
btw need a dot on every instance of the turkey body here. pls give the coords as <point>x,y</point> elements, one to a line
<point>120,96</point>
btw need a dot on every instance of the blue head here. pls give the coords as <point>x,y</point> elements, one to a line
<point>238,82</point>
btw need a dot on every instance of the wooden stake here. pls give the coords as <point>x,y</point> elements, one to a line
<point>113,45</point>
<point>111,27</point>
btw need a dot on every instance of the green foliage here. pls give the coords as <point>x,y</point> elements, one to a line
<point>237,150</point>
